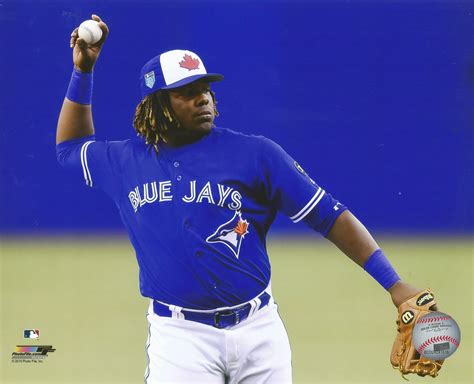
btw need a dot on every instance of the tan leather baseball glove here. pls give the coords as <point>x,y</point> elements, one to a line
<point>404,356</point>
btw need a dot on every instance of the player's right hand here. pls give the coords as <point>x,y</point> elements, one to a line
<point>84,56</point>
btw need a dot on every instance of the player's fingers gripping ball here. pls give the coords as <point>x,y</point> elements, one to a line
<point>436,336</point>
<point>90,31</point>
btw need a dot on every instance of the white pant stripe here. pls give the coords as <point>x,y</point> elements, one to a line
<point>257,306</point>
<point>254,307</point>
<point>148,341</point>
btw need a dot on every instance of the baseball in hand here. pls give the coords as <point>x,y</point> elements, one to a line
<point>436,336</point>
<point>90,31</point>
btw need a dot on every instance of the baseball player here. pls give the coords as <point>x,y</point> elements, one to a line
<point>197,202</point>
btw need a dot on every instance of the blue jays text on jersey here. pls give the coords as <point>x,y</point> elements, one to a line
<point>197,215</point>
<point>161,191</point>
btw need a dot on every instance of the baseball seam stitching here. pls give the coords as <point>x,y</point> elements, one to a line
<point>91,34</point>
<point>424,320</point>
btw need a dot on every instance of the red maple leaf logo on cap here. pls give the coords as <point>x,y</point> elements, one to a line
<point>189,63</point>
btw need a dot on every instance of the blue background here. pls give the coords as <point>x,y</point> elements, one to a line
<point>373,99</point>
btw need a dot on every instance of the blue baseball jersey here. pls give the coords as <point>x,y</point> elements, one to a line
<point>197,215</point>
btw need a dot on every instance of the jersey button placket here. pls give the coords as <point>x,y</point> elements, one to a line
<point>176,164</point>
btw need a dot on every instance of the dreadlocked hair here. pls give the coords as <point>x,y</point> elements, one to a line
<point>154,116</point>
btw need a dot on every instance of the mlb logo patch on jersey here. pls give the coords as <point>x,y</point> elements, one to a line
<point>31,333</point>
<point>231,233</point>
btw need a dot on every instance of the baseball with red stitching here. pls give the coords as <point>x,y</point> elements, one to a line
<point>436,336</point>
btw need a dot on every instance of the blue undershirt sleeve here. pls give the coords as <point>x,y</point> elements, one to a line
<point>292,191</point>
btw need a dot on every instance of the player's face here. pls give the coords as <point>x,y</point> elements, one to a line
<point>193,106</point>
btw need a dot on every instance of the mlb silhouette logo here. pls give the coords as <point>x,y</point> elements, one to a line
<point>31,333</point>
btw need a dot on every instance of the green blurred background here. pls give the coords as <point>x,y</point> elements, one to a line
<point>82,294</point>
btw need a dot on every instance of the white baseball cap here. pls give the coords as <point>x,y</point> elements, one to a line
<point>173,69</point>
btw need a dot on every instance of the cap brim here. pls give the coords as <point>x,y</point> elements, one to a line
<point>210,77</point>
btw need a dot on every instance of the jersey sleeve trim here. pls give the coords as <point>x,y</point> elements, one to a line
<point>309,207</point>
<point>85,166</point>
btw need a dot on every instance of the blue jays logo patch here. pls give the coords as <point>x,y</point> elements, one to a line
<point>231,233</point>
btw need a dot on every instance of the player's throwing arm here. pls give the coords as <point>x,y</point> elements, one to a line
<point>75,119</point>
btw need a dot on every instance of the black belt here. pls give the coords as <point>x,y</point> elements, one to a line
<point>219,319</point>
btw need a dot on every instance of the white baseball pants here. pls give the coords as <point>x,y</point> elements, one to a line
<point>255,351</point>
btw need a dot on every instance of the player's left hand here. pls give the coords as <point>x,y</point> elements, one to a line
<point>404,356</point>
<point>401,292</point>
